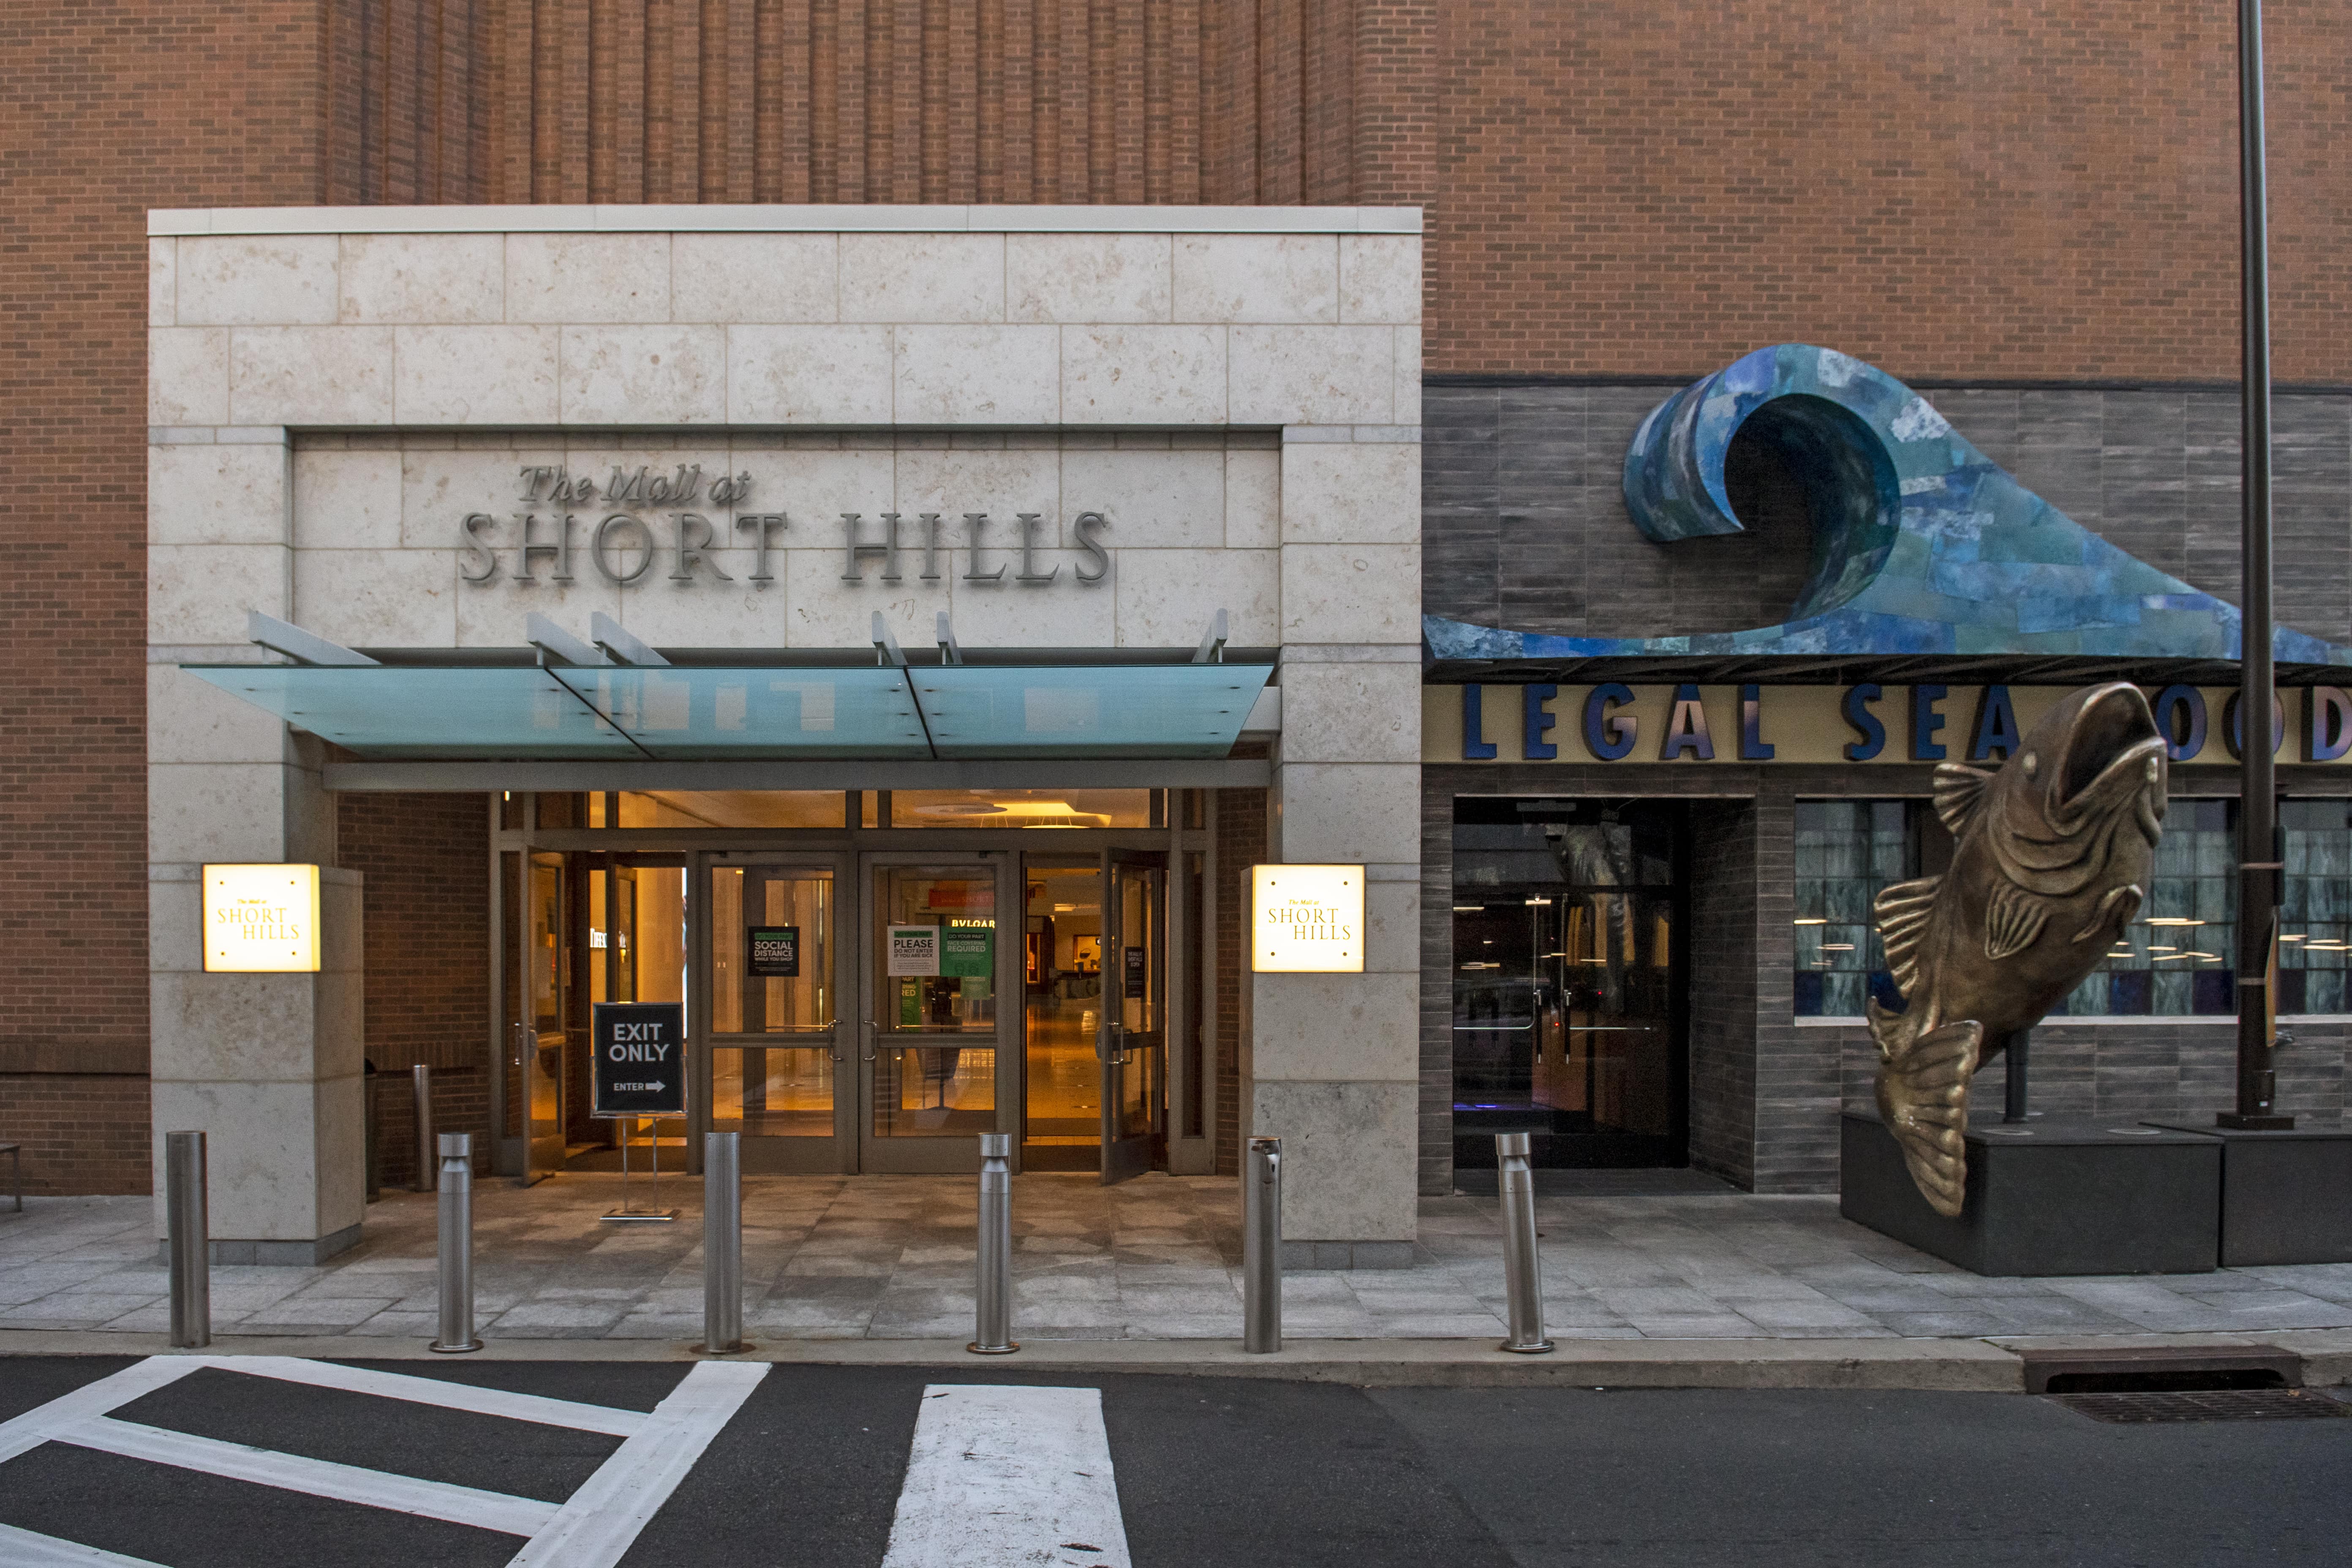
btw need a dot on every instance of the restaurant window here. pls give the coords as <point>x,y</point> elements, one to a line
<point>1847,853</point>
<point>2177,959</point>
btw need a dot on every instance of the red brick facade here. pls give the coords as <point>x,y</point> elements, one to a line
<point>1994,190</point>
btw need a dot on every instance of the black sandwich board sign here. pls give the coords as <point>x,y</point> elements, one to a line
<point>640,1059</point>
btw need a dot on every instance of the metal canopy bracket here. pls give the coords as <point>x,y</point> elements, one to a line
<point>622,645</point>
<point>886,646</point>
<point>555,644</point>
<point>949,652</point>
<point>301,646</point>
<point>1213,646</point>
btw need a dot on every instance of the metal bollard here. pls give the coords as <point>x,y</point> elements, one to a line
<point>722,1242</point>
<point>992,1297</point>
<point>1522,1273</point>
<point>421,1098</point>
<point>186,1223</point>
<point>1262,1246</point>
<point>457,1244</point>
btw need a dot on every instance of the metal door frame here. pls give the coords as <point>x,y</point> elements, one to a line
<point>763,1154</point>
<point>1124,1157</point>
<point>948,1155</point>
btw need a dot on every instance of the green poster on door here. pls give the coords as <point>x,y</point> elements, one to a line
<point>968,951</point>
<point>910,1004</point>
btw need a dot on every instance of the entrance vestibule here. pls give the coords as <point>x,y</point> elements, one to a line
<point>866,997</point>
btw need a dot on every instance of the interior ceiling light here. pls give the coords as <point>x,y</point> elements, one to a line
<point>1532,902</point>
<point>1811,921</point>
<point>1467,909</point>
<point>1837,947</point>
<point>1026,813</point>
<point>2291,936</point>
<point>2171,921</point>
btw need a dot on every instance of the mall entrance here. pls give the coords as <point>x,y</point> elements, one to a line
<point>865,999</point>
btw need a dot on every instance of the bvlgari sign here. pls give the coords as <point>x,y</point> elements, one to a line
<point>638,522</point>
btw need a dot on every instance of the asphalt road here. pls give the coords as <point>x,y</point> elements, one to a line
<point>808,1469</point>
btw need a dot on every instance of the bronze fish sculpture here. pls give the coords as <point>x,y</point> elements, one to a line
<point>2051,858</point>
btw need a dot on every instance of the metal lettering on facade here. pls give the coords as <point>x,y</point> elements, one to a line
<point>1863,723</point>
<point>622,532</point>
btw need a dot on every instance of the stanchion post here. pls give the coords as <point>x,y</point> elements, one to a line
<point>420,1077</point>
<point>1522,1273</point>
<point>1262,1246</point>
<point>722,1242</point>
<point>992,1295</point>
<point>188,1230</point>
<point>457,1244</point>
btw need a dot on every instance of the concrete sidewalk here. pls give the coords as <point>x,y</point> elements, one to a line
<point>883,1259</point>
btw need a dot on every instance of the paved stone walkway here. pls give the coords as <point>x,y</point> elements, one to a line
<point>891,1257</point>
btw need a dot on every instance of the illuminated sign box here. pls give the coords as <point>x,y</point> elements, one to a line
<point>1308,920</point>
<point>261,919</point>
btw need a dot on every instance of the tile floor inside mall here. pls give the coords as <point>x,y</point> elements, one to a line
<point>1159,1257</point>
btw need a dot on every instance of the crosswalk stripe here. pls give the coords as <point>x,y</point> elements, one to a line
<point>23,1549</point>
<point>600,1521</point>
<point>43,1422</point>
<point>1008,1477</point>
<point>319,1478</point>
<point>532,1408</point>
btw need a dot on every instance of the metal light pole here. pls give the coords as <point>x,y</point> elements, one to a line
<point>2259,870</point>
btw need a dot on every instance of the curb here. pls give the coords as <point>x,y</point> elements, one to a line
<point>1964,1366</point>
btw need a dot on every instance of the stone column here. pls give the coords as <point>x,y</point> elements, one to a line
<point>1334,1064</point>
<point>267,1065</point>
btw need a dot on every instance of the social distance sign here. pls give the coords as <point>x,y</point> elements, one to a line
<point>1863,723</point>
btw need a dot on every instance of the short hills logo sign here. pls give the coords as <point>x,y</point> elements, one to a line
<point>1309,920</point>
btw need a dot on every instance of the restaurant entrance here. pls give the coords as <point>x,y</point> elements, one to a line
<point>866,1001</point>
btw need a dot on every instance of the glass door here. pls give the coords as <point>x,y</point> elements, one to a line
<point>930,1068</point>
<point>773,1045</point>
<point>1132,1043</point>
<point>1062,1010</point>
<point>540,1030</point>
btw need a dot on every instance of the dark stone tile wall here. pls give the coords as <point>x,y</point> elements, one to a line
<point>1524,520</point>
<point>1721,947</point>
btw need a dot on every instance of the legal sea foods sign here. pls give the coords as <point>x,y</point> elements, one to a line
<point>1611,722</point>
<point>563,527</point>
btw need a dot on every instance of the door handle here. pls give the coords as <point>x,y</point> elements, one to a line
<point>871,1029</point>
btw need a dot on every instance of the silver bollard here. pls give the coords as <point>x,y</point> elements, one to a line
<point>1522,1273</point>
<point>186,1224</point>
<point>722,1242</point>
<point>992,1299</point>
<point>456,1246</point>
<point>420,1077</point>
<point>1262,1246</point>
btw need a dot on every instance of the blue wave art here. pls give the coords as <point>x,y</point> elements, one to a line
<point>1921,543</point>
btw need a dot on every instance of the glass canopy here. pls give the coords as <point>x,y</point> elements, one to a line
<point>416,711</point>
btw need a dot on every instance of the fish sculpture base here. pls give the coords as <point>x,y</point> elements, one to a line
<point>2052,856</point>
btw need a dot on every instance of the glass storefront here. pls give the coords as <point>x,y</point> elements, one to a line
<point>2177,959</point>
<point>1568,1013</point>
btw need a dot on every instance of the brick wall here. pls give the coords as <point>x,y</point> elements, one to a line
<point>113,106</point>
<point>863,100</point>
<point>1994,189</point>
<point>427,910</point>
<point>82,1133</point>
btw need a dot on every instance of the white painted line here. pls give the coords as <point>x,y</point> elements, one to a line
<point>532,1408</point>
<point>601,1520</point>
<point>319,1478</point>
<point>24,1549</point>
<point>1008,1477</point>
<point>44,1422</point>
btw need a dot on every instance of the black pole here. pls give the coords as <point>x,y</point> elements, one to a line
<point>2013,1106</point>
<point>2258,866</point>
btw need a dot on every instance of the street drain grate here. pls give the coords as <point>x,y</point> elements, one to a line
<point>2204,1405</point>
